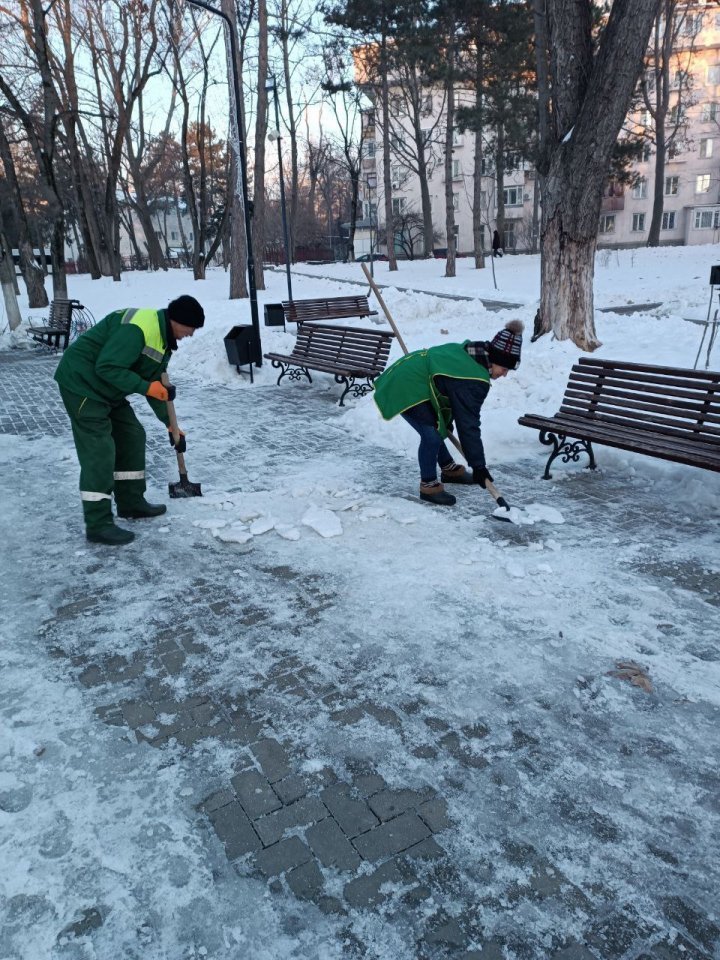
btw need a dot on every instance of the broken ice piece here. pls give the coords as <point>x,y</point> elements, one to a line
<point>287,532</point>
<point>261,526</point>
<point>323,522</point>
<point>245,516</point>
<point>233,535</point>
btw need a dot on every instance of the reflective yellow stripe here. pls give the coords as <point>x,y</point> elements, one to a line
<point>129,475</point>
<point>149,322</point>
<point>91,495</point>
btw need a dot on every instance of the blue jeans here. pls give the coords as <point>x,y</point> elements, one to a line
<point>432,449</point>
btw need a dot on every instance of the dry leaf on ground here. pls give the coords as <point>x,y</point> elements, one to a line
<point>634,672</point>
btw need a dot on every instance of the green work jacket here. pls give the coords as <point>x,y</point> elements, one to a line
<point>411,380</point>
<point>118,356</point>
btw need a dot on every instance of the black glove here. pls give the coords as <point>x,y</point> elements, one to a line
<point>481,475</point>
<point>181,445</point>
<point>171,392</point>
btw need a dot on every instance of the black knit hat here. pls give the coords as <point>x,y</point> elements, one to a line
<point>504,348</point>
<point>186,311</point>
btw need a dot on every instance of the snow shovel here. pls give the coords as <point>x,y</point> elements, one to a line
<point>182,487</point>
<point>489,485</point>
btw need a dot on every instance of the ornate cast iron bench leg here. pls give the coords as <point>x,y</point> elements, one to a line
<point>358,389</point>
<point>566,449</point>
<point>291,372</point>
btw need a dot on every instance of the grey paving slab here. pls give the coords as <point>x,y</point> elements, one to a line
<point>306,811</point>
<point>331,846</point>
<point>255,794</point>
<point>306,881</point>
<point>283,856</point>
<point>391,803</point>
<point>391,837</point>
<point>235,830</point>
<point>369,890</point>
<point>353,815</point>
<point>273,759</point>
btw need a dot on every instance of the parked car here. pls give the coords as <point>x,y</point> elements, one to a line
<point>366,258</point>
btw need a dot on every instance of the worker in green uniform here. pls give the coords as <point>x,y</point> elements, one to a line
<point>126,352</point>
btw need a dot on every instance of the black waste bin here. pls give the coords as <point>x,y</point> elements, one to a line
<point>274,315</point>
<point>243,347</point>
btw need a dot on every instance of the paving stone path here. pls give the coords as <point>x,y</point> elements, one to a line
<point>337,834</point>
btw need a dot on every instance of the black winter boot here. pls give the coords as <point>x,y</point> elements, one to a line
<point>141,510</point>
<point>434,492</point>
<point>110,535</point>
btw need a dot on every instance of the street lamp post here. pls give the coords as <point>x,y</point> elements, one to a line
<point>243,174</point>
<point>271,86</point>
<point>371,181</point>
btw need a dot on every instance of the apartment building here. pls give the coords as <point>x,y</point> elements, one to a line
<point>691,212</point>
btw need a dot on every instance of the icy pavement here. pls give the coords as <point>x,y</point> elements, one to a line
<point>397,739</point>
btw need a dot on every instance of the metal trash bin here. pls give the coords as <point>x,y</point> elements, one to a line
<point>274,315</point>
<point>242,347</point>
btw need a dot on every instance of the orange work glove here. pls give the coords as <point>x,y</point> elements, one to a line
<point>158,392</point>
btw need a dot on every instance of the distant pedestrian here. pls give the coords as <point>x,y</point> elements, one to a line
<point>123,354</point>
<point>497,245</point>
<point>434,387</point>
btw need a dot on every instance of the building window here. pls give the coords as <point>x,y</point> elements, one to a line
<point>646,152</point>
<point>677,113</point>
<point>509,235</point>
<point>456,231</point>
<point>456,170</point>
<point>709,112</point>
<point>486,167</point>
<point>398,205</point>
<point>371,149</point>
<point>456,201</point>
<point>668,220</point>
<point>639,191</point>
<point>173,235</point>
<point>673,150</point>
<point>638,222</point>
<point>457,139</point>
<point>369,210</point>
<point>713,74</point>
<point>397,176</point>
<point>645,119</point>
<point>707,219</point>
<point>607,223</point>
<point>706,148</point>
<point>702,183</point>
<point>513,196</point>
<point>688,25</point>
<point>672,185</point>
<point>427,104</point>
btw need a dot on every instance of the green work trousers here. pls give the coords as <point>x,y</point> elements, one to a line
<point>110,444</point>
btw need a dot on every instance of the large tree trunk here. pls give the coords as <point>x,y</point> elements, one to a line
<point>7,281</point>
<point>387,180</point>
<point>292,130</point>
<point>658,183</point>
<point>236,226</point>
<point>591,94</point>
<point>449,131</point>
<point>500,182</point>
<point>32,274</point>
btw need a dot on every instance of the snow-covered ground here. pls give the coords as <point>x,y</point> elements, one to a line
<point>305,546</point>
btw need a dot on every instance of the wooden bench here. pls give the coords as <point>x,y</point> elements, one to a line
<point>328,308</point>
<point>351,353</point>
<point>58,325</point>
<point>664,412</point>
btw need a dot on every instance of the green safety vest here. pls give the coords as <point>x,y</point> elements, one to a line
<point>411,380</point>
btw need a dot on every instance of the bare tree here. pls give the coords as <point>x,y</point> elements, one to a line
<point>258,228</point>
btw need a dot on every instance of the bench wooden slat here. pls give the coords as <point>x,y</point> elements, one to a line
<point>665,412</point>
<point>348,352</point>
<point>329,308</point>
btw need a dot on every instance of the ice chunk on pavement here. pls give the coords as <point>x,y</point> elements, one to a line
<point>261,526</point>
<point>539,511</point>
<point>287,532</point>
<point>245,516</point>
<point>237,533</point>
<point>323,522</point>
<point>213,523</point>
<point>372,513</point>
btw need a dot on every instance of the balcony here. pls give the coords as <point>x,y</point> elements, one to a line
<point>612,203</point>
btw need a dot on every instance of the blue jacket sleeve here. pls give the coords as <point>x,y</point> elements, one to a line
<point>466,398</point>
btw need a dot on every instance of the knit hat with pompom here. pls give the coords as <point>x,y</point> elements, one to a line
<point>504,348</point>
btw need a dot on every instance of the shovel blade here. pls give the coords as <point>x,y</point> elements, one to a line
<point>184,488</point>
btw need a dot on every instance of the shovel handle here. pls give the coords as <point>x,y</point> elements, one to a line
<point>174,428</point>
